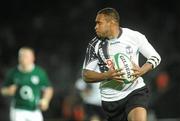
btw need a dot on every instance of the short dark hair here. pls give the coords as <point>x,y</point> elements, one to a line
<point>111,12</point>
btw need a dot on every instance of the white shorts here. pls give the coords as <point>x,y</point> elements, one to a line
<point>25,115</point>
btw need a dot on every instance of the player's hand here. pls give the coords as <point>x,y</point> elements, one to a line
<point>115,75</point>
<point>8,91</point>
<point>44,104</point>
<point>136,71</point>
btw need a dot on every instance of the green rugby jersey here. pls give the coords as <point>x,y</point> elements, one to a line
<point>29,86</point>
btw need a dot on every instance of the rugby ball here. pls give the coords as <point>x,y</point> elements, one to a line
<point>122,61</point>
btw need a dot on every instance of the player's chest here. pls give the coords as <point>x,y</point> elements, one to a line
<point>27,79</point>
<point>125,47</point>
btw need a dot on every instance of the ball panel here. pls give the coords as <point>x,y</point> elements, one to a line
<point>122,61</point>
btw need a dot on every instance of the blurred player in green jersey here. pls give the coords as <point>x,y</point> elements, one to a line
<point>30,87</point>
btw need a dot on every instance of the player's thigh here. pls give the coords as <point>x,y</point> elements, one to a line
<point>137,105</point>
<point>115,111</point>
<point>35,115</point>
<point>17,115</point>
<point>137,114</point>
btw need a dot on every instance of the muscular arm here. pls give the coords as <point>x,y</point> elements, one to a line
<point>92,76</point>
<point>146,68</point>
<point>148,51</point>
<point>140,71</point>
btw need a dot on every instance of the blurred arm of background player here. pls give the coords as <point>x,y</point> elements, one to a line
<point>8,91</point>
<point>46,98</point>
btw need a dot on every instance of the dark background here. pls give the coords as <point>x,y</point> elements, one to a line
<point>59,31</point>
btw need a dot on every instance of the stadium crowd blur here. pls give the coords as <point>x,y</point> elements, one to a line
<point>59,31</point>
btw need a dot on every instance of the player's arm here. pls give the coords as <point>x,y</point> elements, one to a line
<point>46,98</point>
<point>47,91</point>
<point>8,87</point>
<point>9,90</point>
<point>90,71</point>
<point>153,58</point>
<point>139,71</point>
<point>92,76</point>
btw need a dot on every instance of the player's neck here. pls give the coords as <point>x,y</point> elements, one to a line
<point>115,33</point>
<point>26,68</point>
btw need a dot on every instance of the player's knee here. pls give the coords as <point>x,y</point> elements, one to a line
<point>137,114</point>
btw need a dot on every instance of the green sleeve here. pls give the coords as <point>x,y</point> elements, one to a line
<point>45,82</point>
<point>8,79</point>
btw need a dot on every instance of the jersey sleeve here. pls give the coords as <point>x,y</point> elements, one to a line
<point>91,58</point>
<point>147,50</point>
<point>45,82</point>
<point>8,79</point>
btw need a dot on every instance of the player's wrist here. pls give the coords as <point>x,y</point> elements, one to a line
<point>44,100</point>
<point>105,76</point>
<point>4,91</point>
<point>44,104</point>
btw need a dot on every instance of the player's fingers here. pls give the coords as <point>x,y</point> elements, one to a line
<point>134,79</point>
<point>118,74</point>
<point>134,69</point>
<point>118,78</point>
<point>119,70</point>
<point>134,64</point>
<point>120,81</point>
<point>135,74</point>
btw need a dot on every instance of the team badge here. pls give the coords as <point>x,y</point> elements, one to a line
<point>35,80</point>
<point>129,50</point>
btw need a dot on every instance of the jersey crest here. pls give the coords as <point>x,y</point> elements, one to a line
<point>35,79</point>
<point>129,50</point>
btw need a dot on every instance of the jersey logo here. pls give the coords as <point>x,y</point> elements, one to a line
<point>112,43</point>
<point>35,80</point>
<point>26,93</point>
<point>129,50</point>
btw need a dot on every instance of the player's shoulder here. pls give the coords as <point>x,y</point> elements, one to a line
<point>94,41</point>
<point>39,68</point>
<point>11,71</point>
<point>132,32</point>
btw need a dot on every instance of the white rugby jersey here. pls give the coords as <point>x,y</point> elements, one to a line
<point>98,58</point>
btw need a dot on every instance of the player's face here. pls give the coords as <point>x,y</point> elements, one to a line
<point>26,57</point>
<point>102,26</point>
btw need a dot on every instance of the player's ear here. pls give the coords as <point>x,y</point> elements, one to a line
<point>33,57</point>
<point>113,22</point>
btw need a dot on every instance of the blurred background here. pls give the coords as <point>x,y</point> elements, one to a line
<point>59,31</point>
